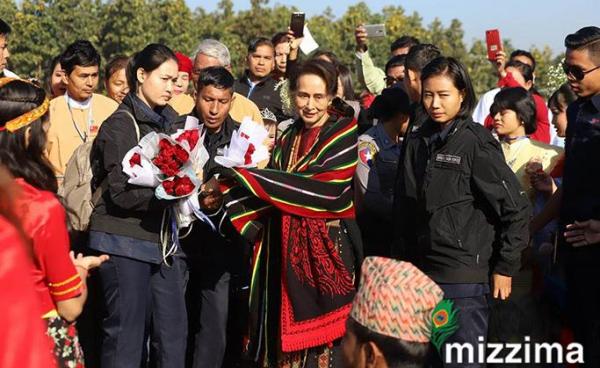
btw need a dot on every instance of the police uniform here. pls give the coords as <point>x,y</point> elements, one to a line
<point>375,176</point>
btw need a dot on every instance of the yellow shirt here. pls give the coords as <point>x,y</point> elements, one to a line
<point>70,127</point>
<point>240,107</point>
<point>520,152</point>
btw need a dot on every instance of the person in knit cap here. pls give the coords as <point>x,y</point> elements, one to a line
<point>396,313</point>
<point>185,72</point>
<point>181,101</point>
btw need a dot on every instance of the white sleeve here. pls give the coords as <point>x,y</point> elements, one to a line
<point>482,110</point>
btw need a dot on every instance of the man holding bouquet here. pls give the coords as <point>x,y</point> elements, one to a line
<point>211,257</point>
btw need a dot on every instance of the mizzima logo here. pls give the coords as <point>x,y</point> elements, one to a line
<point>513,353</point>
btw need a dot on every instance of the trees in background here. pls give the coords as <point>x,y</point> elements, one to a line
<point>41,30</point>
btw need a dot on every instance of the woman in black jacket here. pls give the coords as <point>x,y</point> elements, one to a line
<point>126,223</point>
<point>462,213</point>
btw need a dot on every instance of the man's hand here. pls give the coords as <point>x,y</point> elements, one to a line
<point>583,233</point>
<point>499,63</point>
<point>501,285</point>
<point>360,34</point>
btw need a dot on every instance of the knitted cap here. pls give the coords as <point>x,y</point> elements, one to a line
<point>184,63</point>
<point>396,299</point>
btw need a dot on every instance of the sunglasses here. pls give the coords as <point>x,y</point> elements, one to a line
<point>389,80</point>
<point>576,72</point>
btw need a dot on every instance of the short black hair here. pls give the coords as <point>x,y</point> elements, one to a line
<point>260,41</point>
<point>525,53</point>
<point>404,41</point>
<point>395,61</point>
<point>457,72</point>
<point>525,70</point>
<point>117,63</point>
<point>216,76</point>
<point>397,353</point>
<point>519,100</point>
<point>587,38</point>
<point>420,55</point>
<point>389,103</point>
<point>280,37</point>
<point>562,98</point>
<point>4,28</point>
<point>79,53</point>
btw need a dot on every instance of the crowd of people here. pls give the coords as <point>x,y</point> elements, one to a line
<point>398,213</point>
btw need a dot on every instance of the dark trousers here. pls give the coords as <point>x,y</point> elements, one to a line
<point>208,304</point>
<point>584,305</point>
<point>134,293</point>
<point>473,314</point>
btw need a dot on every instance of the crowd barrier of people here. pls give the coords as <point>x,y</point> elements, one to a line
<point>386,228</point>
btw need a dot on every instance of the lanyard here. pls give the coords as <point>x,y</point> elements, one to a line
<point>90,121</point>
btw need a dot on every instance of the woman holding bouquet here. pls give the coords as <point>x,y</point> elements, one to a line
<point>138,286</point>
<point>299,214</point>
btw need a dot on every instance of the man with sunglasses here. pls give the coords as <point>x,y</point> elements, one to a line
<point>580,193</point>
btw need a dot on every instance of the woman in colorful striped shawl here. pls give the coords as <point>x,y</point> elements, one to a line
<point>299,215</point>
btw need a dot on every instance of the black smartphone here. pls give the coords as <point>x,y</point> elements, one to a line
<point>297,24</point>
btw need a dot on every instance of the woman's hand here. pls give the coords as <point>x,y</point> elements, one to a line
<point>499,63</point>
<point>294,44</point>
<point>501,286</point>
<point>583,233</point>
<point>211,198</point>
<point>543,183</point>
<point>88,262</point>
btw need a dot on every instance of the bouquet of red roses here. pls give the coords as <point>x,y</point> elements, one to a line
<point>171,165</point>
<point>179,186</point>
<point>171,157</point>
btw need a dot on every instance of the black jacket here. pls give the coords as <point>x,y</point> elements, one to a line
<point>215,144</point>
<point>126,209</point>
<point>203,243</point>
<point>460,208</point>
<point>264,94</point>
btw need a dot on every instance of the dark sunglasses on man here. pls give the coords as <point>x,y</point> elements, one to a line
<point>390,81</point>
<point>576,72</point>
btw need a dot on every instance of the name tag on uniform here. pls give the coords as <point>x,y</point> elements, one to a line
<point>448,159</point>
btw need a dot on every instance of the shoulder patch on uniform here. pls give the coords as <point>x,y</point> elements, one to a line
<point>366,152</point>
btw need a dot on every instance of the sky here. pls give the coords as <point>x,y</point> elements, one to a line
<point>524,22</point>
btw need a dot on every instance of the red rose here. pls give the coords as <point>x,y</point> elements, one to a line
<point>169,186</point>
<point>164,144</point>
<point>170,158</point>
<point>136,159</point>
<point>191,136</point>
<point>183,186</point>
<point>248,155</point>
<point>181,154</point>
<point>178,186</point>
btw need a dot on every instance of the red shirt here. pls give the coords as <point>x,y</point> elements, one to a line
<point>23,341</point>
<point>542,132</point>
<point>43,220</point>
